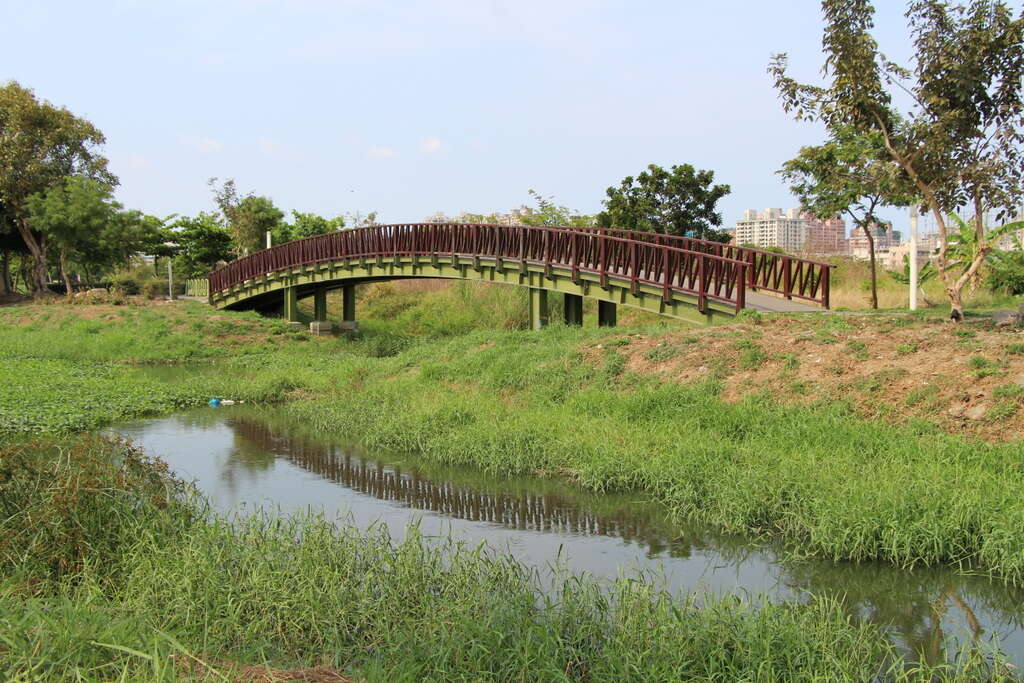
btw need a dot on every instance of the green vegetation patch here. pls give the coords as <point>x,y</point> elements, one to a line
<point>112,572</point>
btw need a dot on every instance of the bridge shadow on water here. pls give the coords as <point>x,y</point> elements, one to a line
<point>255,455</point>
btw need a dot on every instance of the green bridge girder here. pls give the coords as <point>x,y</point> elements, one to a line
<point>289,285</point>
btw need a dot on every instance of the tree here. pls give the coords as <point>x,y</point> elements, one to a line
<point>851,173</point>
<point>202,241</point>
<point>250,218</point>
<point>361,220</point>
<point>309,224</point>
<point>40,146</point>
<point>82,220</point>
<point>959,141</point>
<point>680,201</point>
<point>548,212</point>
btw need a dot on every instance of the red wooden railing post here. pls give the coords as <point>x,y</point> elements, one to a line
<point>702,285</point>
<point>633,277</point>
<point>824,286</point>
<point>741,286</point>
<point>787,276</point>
<point>666,295</point>
<point>602,262</point>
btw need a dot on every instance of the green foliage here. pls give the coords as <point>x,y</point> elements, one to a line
<point>968,246</point>
<point>1006,268</point>
<point>679,201</point>
<point>959,142</point>
<point>547,212</point>
<point>202,242</point>
<point>309,224</point>
<point>136,558</point>
<point>849,174</point>
<point>89,228</point>
<point>250,218</point>
<point>40,147</point>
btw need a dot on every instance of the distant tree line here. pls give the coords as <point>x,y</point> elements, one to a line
<point>59,221</point>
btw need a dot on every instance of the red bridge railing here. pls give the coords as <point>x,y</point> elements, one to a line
<point>769,271</point>
<point>708,271</point>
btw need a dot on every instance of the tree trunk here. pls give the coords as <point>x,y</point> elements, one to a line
<point>6,286</point>
<point>37,249</point>
<point>64,271</point>
<point>874,272</point>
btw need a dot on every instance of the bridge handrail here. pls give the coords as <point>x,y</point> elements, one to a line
<point>768,268</point>
<point>708,276</point>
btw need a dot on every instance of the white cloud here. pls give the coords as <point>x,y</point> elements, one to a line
<point>276,150</point>
<point>200,144</point>
<point>431,145</point>
<point>376,152</point>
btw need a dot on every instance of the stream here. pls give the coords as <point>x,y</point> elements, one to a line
<point>243,458</point>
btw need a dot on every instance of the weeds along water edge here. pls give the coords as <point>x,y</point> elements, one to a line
<point>113,573</point>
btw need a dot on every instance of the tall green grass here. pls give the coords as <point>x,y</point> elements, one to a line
<point>516,402</point>
<point>164,582</point>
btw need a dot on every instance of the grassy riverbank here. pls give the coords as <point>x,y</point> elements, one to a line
<point>693,418</point>
<point>711,438</point>
<point>111,572</point>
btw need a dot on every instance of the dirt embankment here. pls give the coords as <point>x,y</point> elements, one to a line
<point>967,379</point>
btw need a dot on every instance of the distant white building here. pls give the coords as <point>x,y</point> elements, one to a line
<point>787,229</point>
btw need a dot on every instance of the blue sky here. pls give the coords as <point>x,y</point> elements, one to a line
<point>409,108</point>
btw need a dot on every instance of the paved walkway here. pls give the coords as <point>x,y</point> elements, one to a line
<point>777,304</point>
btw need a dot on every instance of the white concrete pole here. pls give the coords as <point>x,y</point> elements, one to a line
<point>170,279</point>
<point>268,240</point>
<point>913,257</point>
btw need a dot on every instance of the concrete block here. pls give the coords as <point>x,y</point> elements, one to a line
<point>1004,318</point>
<point>294,326</point>
<point>320,327</point>
<point>348,326</point>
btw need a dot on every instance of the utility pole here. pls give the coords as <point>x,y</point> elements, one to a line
<point>269,244</point>
<point>170,279</point>
<point>913,257</point>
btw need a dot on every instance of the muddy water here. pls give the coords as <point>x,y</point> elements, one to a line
<point>243,458</point>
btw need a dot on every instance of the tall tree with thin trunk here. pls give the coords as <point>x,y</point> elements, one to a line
<point>850,174</point>
<point>959,140</point>
<point>40,146</point>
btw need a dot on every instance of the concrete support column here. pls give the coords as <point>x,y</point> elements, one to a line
<point>348,303</point>
<point>538,308</point>
<point>606,313</point>
<point>291,304</point>
<point>320,305</point>
<point>573,310</point>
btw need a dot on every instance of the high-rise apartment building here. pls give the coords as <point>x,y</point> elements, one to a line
<point>884,236</point>
<point>772,228</point>
<point>824,235</point>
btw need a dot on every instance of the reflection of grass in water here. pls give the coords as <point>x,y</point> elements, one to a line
<point>304,590</point>
<point>902,601</point>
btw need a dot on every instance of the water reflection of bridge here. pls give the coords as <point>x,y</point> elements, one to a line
<point>523,509</point>
<point>912,606</point>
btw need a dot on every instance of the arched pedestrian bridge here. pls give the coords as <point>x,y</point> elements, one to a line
<point>695,280</point>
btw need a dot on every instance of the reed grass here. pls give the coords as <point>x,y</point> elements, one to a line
<point>171,584</point>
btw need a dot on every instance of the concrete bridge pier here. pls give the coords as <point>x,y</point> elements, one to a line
<point>320,305</point>
<point>573,309</point>
<point>348,308</point>
<point>606,313</point>
<point>538,308</point>
<point>291,304</point>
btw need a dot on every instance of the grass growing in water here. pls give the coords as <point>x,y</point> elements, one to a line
<point>165,584</point>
